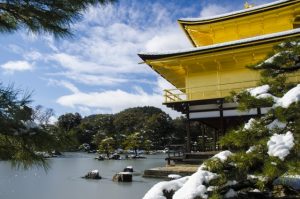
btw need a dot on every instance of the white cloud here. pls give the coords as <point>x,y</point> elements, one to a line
<point>172,38</point>
<point>32,55</point>
<point>13,66</point>
<point>107,53</point>
<point>71,87</point>
<point>111,101</point>
<point>214,9</point>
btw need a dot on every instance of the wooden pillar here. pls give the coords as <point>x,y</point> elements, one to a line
<point>258,111</point>
<point>188,131</point>
<point>215,140</point>
<point>222,129</point>
<point>203,138</point>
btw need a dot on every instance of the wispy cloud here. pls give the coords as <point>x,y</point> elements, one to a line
<point>16,66</point>
<point>111,101</point>
<point>214,9</point>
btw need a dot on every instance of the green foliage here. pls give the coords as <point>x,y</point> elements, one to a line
<point>69,121</point>
<point>107,146</point>
<point>20,136</point>
<point>136,141</point>
<point>278,71</point>
<point>155,125</point>
<point>246,101</point>
<point>50,16</point>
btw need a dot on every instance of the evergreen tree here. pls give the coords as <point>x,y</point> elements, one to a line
<point>20,136</point>
<point>24,130</point>
<point>137,141</point>
<point>267,147</point>
<point>107,146</point>
<point>49,16</point>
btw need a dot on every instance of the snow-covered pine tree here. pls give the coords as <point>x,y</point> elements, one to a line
<point>266,148</point>
<point>264,156</point>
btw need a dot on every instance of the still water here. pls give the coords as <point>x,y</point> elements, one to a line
<point>63,180</point>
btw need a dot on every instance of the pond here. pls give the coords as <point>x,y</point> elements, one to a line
<point>63,179</point>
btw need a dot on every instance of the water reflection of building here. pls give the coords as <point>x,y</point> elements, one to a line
<point>223,46</point>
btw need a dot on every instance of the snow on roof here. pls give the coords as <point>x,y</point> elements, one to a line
<point>219,45</point>
<point>244,11</point>
<point>156,192</point>
<point>280,145</point>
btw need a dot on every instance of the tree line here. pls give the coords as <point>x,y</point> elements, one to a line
<point>147,128</point>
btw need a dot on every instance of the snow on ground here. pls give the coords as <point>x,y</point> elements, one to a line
<point>222,156</point>
<point>194,186</point>
<point>276,124</point>
<point>156,192</point>
<point>280,145</point>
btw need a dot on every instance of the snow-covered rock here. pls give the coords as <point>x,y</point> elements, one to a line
<point>94,174</point>
<point>280,145</point>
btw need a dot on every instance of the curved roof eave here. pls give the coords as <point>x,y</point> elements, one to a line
<point>222,46</point>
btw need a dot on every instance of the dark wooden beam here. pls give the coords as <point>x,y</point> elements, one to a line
<point>188,130</point>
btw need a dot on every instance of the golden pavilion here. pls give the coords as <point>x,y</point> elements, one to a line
<point>223,46</point>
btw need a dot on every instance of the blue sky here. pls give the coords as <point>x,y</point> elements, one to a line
<point>97,70</point>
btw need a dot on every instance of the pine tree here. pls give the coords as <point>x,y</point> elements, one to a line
<point>24,130</point>
<point>267,147</point>
<point>20,137</point>
<point>107,146</point>
<point>49,16</point>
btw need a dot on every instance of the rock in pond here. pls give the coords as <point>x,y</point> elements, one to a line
<point>123,177</point>
<point>93,175</point>
<point>128,169</point>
